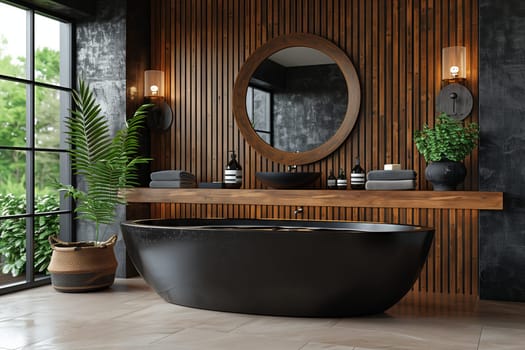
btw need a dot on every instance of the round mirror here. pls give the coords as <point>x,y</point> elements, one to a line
<point>296,99</point>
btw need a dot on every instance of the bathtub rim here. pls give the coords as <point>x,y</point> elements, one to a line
<point>407,228</point>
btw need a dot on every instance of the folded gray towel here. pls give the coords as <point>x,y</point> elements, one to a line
<point>391,175</point>
<point>390,185</point>
<point>173,184</point>
<point>171,175</point>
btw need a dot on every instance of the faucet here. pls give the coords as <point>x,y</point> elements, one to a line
<point>292,167</point>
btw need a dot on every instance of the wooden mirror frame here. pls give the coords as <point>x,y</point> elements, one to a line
<point>250,66</point>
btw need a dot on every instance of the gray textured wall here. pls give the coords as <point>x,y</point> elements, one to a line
<point>101,61</point>
<point>311,108</point>
<point>502,148</point>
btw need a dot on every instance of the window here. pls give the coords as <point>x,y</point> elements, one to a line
<point>35,84</point>
<point>259,108</point>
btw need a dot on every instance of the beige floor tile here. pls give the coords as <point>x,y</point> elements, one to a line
<point>131,316</point>
<point>286,326</point>
<point>95,336</point>
<point>165,314</point>
<point>394,339</point>
<point>17,333</point>
<point>502,339</point>
<point>363,332</point>
<point>190,339</point>
<point>415,332</point>
<point>324,346</point>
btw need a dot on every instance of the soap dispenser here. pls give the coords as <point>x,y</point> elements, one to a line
<point>341,180</point>
<point>233,173</point>
<point>357,177</point>
<point>331,182</point>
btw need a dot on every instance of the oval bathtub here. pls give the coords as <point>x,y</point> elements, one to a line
<point>287,268</point>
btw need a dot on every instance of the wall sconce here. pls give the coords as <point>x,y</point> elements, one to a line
<point>160,116</point>
<point>133,93</point>
<point>454,99</point>
<point>454,63</point>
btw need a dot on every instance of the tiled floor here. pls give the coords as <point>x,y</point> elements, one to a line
<point>132,316</point>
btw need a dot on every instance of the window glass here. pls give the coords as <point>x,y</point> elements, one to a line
<point>262,113</point>
<point>13,178</point>
<point>12,113</point>
<point>45,226</point>
<point>259,109</point>
<point>48,62</point>
<point>12,250</point>
<point>265,136</point>
<point>47,117</point>
<point>13,41</point>
<point>47,175</point>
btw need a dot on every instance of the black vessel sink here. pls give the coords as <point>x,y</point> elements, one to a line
<point>288,180</point>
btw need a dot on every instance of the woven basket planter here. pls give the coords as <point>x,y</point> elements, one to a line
<point>82,266</point>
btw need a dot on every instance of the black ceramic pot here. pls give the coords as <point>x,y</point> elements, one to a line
<point>445,175</point>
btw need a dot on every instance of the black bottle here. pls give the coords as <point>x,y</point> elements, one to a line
<point>331,182</point>
<point>341,180</point>
<point>233,173</point>
<point>357,177</point>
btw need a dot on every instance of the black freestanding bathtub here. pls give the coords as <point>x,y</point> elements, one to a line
<point>288,268</point>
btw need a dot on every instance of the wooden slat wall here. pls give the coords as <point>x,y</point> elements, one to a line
<point>396,48</point>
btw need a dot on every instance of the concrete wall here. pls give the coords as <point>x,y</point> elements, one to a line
<point>502,148</point>
<point>101,61</point>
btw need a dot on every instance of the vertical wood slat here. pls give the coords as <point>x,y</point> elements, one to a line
<point>396,49</point>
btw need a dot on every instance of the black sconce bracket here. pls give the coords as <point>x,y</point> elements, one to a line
<point>455,100</point>
<point>160,116</point>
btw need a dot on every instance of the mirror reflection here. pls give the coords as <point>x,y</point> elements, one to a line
<point>297,99</point>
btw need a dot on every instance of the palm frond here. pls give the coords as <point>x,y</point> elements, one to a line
<point>106,163</point>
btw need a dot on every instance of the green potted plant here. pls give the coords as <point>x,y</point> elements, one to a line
<point>444,147</point>
<point>107,164</point>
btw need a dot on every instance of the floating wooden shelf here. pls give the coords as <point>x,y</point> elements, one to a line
<point>325,198</point>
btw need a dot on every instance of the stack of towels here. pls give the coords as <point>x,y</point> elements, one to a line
<point>172,179</point>
<point>391,180</point>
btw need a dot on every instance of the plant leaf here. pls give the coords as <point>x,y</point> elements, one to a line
<point>106,163</point>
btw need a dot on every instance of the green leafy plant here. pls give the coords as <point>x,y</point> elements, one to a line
<point>107,164</point>
<point>449,139</point>
<point>13,233</point>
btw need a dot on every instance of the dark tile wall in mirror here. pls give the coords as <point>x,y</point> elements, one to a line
<point>311,107</point>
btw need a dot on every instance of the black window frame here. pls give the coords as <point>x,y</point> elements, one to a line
<point>269,132</point>
<point>65,213</point>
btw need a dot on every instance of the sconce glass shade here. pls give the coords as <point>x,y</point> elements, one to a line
<point>454,63</point>
<point>153,83</point>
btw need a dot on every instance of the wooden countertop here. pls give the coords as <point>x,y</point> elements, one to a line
<point>327,198</point>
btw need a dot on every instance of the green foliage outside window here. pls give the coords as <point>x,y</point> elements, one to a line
<point>13,129</point>
<point>13,233</point>
<point>13,120</point>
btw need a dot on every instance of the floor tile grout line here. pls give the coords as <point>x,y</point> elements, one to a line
<point>233,331</point>
<point>156,342</point>
<point>479,338</point>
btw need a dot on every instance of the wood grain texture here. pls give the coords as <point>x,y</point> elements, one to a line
<point>395,47</point>
<point>323,198</point>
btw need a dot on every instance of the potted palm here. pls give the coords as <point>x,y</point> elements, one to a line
<point>107,164</point>
<point>444,147</point>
